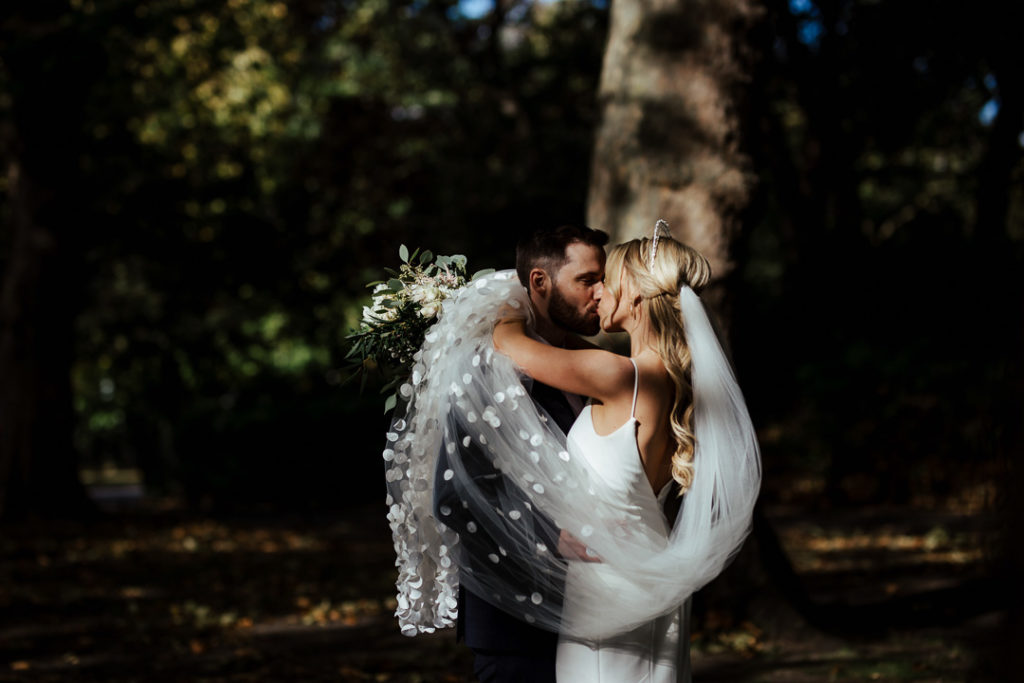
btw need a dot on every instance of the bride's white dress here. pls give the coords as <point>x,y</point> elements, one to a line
<point>655,652</point>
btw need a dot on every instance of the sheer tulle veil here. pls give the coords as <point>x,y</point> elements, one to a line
<point>480,481</point>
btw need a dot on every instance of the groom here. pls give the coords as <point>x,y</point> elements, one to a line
<point>561,268</point>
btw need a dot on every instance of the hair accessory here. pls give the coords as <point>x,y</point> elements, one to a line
<point>654,241</point>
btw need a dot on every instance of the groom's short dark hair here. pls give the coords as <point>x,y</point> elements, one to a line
<point>545,248</point>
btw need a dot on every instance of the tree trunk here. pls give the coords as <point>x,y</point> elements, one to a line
<point>40,292</point>
<point>668,144</point>
<point>995,172</point>
<point>668,147</point>
<point>37,464</point>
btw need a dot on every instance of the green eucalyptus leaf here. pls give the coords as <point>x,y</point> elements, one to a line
<point>481,273</point>
<point>390,402</point>
<point>403,253</point>
<point>396,285</point>
<point>426,257</point>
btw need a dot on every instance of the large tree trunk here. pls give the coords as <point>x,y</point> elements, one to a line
<point>40,292</point>
<point>667,146</point>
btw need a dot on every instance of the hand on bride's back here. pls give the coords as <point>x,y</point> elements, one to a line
<point>571,548</point>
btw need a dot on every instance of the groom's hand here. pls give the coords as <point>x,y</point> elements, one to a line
<point>571,548</point>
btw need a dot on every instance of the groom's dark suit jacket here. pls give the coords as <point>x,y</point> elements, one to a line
<point>481,625</point>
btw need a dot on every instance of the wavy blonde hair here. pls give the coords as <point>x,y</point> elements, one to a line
<point>675,265</point>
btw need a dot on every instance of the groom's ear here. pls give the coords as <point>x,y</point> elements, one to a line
<point>539,281</point>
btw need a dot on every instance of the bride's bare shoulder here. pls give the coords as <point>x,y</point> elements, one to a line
<point>654,376</point>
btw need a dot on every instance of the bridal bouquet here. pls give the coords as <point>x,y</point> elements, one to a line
<point>403,309</point>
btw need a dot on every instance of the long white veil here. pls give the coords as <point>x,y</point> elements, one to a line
<point>480,483</point>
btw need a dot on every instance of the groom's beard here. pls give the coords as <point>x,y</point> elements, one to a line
<point>566,317</point>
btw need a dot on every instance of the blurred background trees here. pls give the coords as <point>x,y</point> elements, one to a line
<point>194,193</point>
<point>220,180</point>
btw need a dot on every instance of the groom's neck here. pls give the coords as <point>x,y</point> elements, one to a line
<point>552,333</point>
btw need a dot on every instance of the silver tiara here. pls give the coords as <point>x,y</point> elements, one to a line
<point>661,224</point>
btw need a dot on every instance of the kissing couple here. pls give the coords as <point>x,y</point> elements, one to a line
<point>559,502</point>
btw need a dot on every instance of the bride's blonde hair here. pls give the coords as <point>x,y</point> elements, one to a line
<point>675,265</point>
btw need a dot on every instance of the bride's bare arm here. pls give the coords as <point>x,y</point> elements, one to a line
<point>593,372</point>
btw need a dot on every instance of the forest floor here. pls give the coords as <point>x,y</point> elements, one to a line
<point>157,595</point>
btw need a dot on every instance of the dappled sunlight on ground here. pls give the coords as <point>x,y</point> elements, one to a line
<point>165,597</point>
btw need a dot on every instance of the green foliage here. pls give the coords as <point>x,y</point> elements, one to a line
<point>250,164</point>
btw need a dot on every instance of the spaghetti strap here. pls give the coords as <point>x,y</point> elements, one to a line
<point>636,385</point>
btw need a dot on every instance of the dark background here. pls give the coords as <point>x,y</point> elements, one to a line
<point>195,193</point>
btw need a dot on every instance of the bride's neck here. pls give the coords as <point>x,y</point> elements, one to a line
<point>641,339</point>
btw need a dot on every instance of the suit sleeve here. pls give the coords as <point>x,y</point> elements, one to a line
<point>451,497</point>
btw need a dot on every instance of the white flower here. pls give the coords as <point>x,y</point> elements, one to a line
<point>425,293</point>
<point>379,311</point>
<point>431,310</point>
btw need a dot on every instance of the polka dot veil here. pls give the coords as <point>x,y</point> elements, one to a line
<point>480,484</point>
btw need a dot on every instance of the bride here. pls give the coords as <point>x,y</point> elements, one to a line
<point>637,434</point>
<point>668,421</point>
